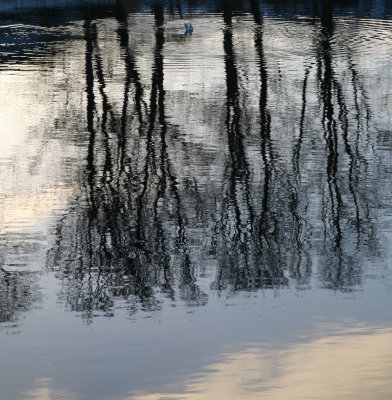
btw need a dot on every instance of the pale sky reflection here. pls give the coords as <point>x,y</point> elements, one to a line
<point>43,391</point>
<point>354,365</point>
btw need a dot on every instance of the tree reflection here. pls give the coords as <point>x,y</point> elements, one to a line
<point>19,292</point>
<point>252,257</point>
<point>130,237</point>
<point>279,238</point>
<point>142,231</point>
<point>343,233</point>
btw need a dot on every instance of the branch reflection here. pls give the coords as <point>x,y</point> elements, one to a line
<point>291,203</point>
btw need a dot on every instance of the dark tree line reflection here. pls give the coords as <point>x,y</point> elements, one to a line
<point>19,292</point>
<point>142,231</point>
<point>346,222</point>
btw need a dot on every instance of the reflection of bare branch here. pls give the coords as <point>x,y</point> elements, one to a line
<point>18,293</point>
<point>339,270</point>
<point>143,230</point>
<point>122,238</point>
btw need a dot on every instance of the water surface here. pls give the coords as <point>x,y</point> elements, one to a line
<point>195,216</point>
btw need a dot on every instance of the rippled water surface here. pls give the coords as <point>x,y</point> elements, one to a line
<point>195,216</point>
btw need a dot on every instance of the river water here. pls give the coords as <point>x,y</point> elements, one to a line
<point>195,216</point>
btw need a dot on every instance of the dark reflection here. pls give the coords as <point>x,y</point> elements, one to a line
<point>346,223</point>
<point>250,254</point>
<point>19,292</point>
<point>289,199</point>
<point>131,237</point>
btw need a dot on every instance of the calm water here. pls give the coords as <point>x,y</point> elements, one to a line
<point>195,217</point>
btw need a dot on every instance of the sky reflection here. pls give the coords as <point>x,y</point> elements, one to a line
<point>350,364</point>
<point>43,391</point>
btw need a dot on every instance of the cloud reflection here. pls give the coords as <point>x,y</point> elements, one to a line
<point>354,364</point>
<point>44,391</point>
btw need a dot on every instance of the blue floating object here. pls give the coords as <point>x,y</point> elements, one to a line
<point>188,29</point>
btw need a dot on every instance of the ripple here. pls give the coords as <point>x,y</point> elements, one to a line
<point>364,37</point>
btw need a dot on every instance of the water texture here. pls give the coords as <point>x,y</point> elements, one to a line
<point>195,215</point>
